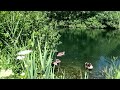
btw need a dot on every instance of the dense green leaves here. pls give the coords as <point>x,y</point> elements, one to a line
<point>30,30</point>
<point>86,19</point>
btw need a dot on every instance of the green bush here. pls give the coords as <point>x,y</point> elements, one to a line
<point>27,30</point>
<point>93,23</point>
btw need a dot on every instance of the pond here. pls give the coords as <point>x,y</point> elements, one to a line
<point>94,46</point>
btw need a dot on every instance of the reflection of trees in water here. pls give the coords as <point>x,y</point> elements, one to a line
<point>104,62</point>
<point>82,47</point>
<point>81,44</point>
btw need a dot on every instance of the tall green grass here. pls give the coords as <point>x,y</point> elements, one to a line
<point>21,30</point>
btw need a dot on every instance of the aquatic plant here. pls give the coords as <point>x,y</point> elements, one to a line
<point>112,71</point>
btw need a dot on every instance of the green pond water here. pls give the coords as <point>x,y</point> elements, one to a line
<point>93,46</point>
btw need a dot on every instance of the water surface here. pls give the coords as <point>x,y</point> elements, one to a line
<point>94,46</point>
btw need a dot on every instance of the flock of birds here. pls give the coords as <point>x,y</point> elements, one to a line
<point>57,62</point>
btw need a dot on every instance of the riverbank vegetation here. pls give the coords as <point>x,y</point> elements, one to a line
<point>27,31</point>
<point>38,33</point>
<point>86,19</point>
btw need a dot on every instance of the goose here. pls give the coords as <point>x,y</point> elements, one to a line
<point>56,62</point>
<point>59,54</point>
<point>88,66</point>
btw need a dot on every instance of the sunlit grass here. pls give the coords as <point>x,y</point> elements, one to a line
<point>31,64</point>
<point>22,32</point>
<point>30,67</point>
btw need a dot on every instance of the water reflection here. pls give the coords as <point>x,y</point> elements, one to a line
<point>103,62</point>
<point>92,46</point>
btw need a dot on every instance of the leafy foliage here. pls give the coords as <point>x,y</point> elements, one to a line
<point>20,30</point>
<point>87,19</point>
